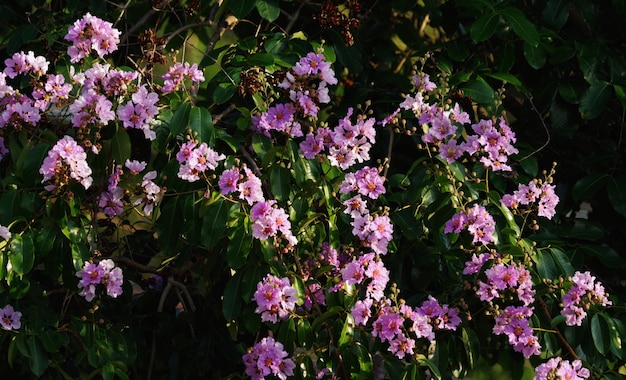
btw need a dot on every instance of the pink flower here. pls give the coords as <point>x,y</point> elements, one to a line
<point>559,368</point>
<point>67,155</point>
<point>584,292</point>
<point>10,319</point>
<point>361,311</point>
<point>176,75</point>
<point>5,233</point>
<point>91,33</point>
<point>266,358</point>
<point>104,273</point>
<point>275,298</point>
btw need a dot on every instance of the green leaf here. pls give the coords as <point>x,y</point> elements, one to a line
<point>22,253</point>
<point>483,28</point>
<point>521,26</point>
<point>586,187</point>
<point>180,119</point>
<point>268,9</point>
<point>595,100</point>
<point>556,13</point>
<point>37,360</point>
<point>260,59</point>
<point>616,189</point>
<point>432,366</point>
<point>600,333</point>
<point>120,146</point>
<point>347,332</point>
<point>479,91</point>
<point>280,182</point>
<point>472,346</point>
<point>223,92</point>
<point>509,78</point>
<point>241,8</point>
<point>546,265</point>
<point>231,304</point>
<point>169,226</point>
<point>535,55</point>
<point>620,92</point>
<point>214,222</point>
<point>240,241</point>
<point>287,334</point>
<point>201,125</point>
<point>563,262</point>
<point>530,166</point>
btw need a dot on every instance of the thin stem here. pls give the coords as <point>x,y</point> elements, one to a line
<point>569,348</point>
<point>545,128</point>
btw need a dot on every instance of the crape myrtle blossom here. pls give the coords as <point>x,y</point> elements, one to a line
<point>17,110</point>
<point>104,273</point>
<point>513,322</point>
<point>195,159</point>
<point>52,91</point>
<point>266,358</point>
<point>390,323</point>
<point>66,160</point>
<point>584,292</point>
<point>368,269</point>
<point>268,219</point>
<point>275,298</point>
<point>501,277</point>
<point>540,195</point>
<point>477,221</point>
<point>25,63</point>
<point>178,73</point>
<point>559,368</point>
<point>91,34</point>
<point>5,233</point>
<point>10,319</point>
<point>140,111</point>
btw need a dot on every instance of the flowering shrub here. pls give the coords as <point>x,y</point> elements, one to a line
<point>269,234</point>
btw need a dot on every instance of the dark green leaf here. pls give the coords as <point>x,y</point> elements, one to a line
<point>530,166</point>
<point>572,90</point>
<point>224,92</point>
<point>563,261</point>
<point>484,27</point>
<point>472,346</point>
<point>600,334</point>
<point>120,146</point>
<point>620,92</point>
<point>37,359</point>
<point>616,189</point>
<point>556,13</point>
<point>586,187</point>
<point>231,304</point>
<point>241,8</point>
<point>201,125</point>
<point>347,332</point>
<point>169,226</point>
<point>280,182</point>
<point>595,100</point>
<point>287,334</point>
<point>521,26</point>
<point>260,59</point>
<point>268,9</point>
<point>239,243</point>
<point>509,78</point>
<point>479,91</point>
<point>546,265</point>
<point>535,55</point>
<point>214,222</point>
<point>22,253</point>
<point>180,119</point>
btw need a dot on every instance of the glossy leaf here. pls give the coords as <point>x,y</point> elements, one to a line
<point>241,8</point>
<point>479,91</point>
<point>280,182</point>
<point>201,125</point>
<point>535,55</point>
<point>595,100</point>
<point>240,242</point>
<point>268,9</point>
<point>600,333</point>
<point>521,26</point>
<point>586,187</point>
<point>231,303</point>
<point>180,120</point>
<point>616,190</point>
<point>483,28</point>
<point>120,146</point>
<point>37,359</point>
<point>214,222</point>
<point>22,253</point>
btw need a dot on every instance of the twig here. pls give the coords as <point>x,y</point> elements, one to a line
<point>387,162</point>
<point>185,27</point>
<point>131,263</point>
<point>293,18</point>
<point>569,348</point>
<point>219,116</point>
<point>545,127</point>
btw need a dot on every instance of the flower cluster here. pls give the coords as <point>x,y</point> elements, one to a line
<point>66,160</point>
<point>477,221</point>
<point>559,368</point>
<point>268,219</point>
<point>176,75</point>
<point>10,319</point>
<point>195,159</point>
<point>585,291</point>
<point>275,298</point>
<point>527,195</point>
<point>140,111</point>
<point>423,321</point>
<point>103,273</point>
<point>91,34</point>
<point>368,268</point>
<point>502,277</point>
<point>268,357</point>
<point>513,322</point>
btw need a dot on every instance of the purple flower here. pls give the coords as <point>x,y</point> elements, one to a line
<point>66,155</point>
<point>111,202</point>
<point>176,75</point>
<point>91,33</point>
<point>104,273</point>
<point>275,298</point>
<point>362,311</point>
<point>228,181</point>
<point>266,358</point>
<point>559,368</point>
<point>10,319</point>
<point>584,292</point>
<point>477,221</point>
<point>5,233</point>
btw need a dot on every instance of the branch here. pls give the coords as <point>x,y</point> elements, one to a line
<point>569,348</point>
